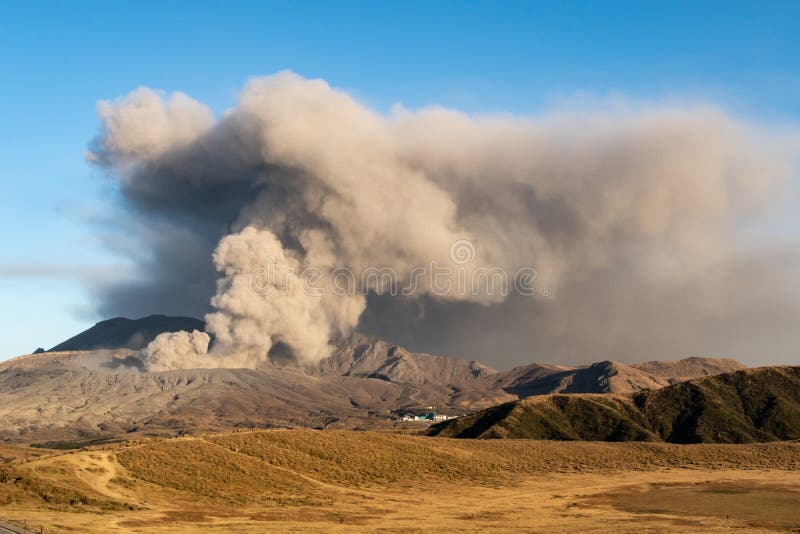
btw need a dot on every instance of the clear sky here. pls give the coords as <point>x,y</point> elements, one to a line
<point>58,59</point>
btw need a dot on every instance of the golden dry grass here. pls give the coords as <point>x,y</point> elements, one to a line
<point>369,481</point>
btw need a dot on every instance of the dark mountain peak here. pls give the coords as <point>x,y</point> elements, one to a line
<point>606,365</point>
<point>124,333</point>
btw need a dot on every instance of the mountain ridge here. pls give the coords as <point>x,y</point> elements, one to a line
<point>750,405</point>
<point>368,356</point>
<point>365,383</point>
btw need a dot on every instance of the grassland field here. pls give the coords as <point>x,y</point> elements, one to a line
<point>347,481</point>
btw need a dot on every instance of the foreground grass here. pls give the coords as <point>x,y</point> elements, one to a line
<point>279,480</point>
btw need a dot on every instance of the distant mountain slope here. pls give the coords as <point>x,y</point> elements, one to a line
<point>753,405</point>
<point>367,357</point>
<point>606,376</point>
<point>689,368</point>
<point>122,333</point>
<point>600,377</point>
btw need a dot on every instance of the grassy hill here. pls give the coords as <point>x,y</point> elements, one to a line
<point>754,405</point>
<point>746,406</point>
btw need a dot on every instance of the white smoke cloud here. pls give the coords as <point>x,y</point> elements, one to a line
<point>246,321</point>
<point>316,180</point>
<point>143,125</point>
<point>178,350</point>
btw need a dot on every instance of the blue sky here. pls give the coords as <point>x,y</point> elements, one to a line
<point>59,58</point>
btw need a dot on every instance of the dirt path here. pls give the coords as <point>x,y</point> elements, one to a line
<point>95,469</point>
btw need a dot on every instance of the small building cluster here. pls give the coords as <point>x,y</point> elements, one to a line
<point>428,416</point>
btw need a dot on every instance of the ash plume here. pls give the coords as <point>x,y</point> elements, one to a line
<point>619,211</point>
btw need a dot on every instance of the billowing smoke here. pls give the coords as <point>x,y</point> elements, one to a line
<point>608,207</point>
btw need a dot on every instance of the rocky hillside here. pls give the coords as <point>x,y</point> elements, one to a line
<point>753,405</point>
<point>63,399</point>
<point>95,394</point>
<point>369,357</point>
